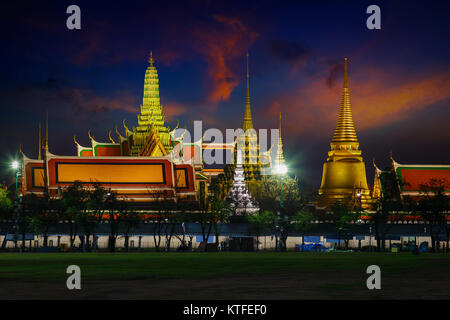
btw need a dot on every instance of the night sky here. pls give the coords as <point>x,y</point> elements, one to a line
<point>93,78</point>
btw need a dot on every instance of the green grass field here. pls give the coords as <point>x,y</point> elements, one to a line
<point>224,275</point>
<point>101,266</point>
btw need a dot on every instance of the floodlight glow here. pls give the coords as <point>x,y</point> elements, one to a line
<point>15,165</point>
<point>282,169</point>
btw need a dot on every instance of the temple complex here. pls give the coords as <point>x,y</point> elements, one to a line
<point>149,162</point>
<point>409,180</point>
<point>344,173</point>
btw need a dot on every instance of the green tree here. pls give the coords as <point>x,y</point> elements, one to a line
<point>433,207</point>
<point>343,219</point>
<point>131,220</point>
<point>99,201</point>
<point>261,223</point>
<point>108,209</point>
<point>73,208</point>
<point>303,223</point>
<point>6,206</point>
<point>25,215</point>
<point>221,211</point>
<point>385,210</point>
<point>6,203</point>
<point>269,199</point>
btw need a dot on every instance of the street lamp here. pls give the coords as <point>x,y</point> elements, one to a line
<point>17,206</point>
<point>15,166</point>
<point>281,170</point>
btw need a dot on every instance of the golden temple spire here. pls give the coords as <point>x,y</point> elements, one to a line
<point>150,60</point>
<point>248,123</point>
<point>40,143</point>
<point>46,130</point>
<point>345,129</point>
<point>280,157</point>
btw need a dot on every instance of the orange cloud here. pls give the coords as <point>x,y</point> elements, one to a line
<point>220,46</point>
<point>174,109</point>
<point>95,103</point>
<point>378,104</point>
<point>378,98</point>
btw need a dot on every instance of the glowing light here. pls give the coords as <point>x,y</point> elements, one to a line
<point>15,165</point>
<point>281,169</point>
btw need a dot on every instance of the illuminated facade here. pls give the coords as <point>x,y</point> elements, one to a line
<point>146,163</point>
<point>409,179</point>
<point>344,173</point>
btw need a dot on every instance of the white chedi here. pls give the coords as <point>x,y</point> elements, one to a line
<point>239,194</point>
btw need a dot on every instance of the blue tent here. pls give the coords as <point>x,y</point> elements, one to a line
<point>311,239</point>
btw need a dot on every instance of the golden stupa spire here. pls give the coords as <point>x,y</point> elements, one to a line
<point>150,60</point>
<point>46,130</point>
<point>40,143</point>
<point>248,123</point>
<point>345,129</point>
<point>280,157</point>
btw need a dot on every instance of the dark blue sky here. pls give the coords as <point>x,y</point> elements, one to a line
<point>93,78</point>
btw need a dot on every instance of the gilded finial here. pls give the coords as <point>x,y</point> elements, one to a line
<point>118,133</point>
<point>248,123</point>
<point>280,124</point>
<point>345,73</point>
<point>110,139</point>
<point>150,60</point>
<point>89,134</point>
<point>40,143</point>
<point>46,130</point>
<point>126,128</point>
<point>182,136</point>
<point>75,140</point>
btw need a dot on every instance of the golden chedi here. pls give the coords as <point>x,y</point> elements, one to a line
<point>344,173</point>
<point>249,143</point>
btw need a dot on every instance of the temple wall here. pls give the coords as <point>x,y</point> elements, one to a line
<point>147,242</point>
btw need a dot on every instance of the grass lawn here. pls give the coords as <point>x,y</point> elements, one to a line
<point>325,272</point>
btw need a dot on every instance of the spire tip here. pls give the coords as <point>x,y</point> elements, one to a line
<point>150,60</point>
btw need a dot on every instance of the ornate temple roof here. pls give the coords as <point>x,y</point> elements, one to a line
<point>412,176</point>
